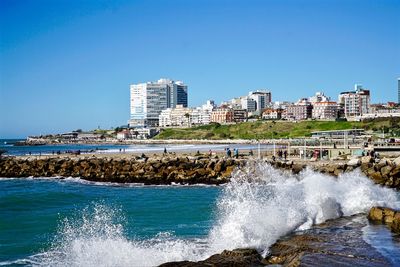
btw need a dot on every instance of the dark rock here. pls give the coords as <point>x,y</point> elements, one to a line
<point>228,258</point>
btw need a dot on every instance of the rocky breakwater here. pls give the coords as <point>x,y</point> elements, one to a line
<point>387,216</point>
<point>383,171</point>
<point>167,170</point>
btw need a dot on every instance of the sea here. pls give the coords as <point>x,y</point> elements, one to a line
<point>73,222</point>
<point>8,145</point>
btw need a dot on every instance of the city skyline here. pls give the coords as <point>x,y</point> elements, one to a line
<point>68,65</point>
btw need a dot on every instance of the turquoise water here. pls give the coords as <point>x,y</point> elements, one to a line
<point>32,211</point>
<point>71,222</point>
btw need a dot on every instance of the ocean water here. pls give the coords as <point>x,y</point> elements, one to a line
<point>11,149</point>
<point>70,222</point>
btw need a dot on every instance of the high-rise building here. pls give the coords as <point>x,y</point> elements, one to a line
<point>149,99</point>
<point>262,99</point>
<point>355,103</point>
<point>248,103</point>
<point>398,90</point>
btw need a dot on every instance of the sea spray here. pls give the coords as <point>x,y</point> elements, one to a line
<point>259,205</point>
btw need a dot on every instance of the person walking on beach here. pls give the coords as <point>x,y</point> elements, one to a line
<point>165,150</point>
<point>285,154</point>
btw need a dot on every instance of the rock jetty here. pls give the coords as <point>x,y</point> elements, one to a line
<point>387,216</point>
<point>183,170</point>
<point>383,171</point>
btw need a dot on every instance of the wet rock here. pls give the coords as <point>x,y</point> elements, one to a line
<point>233,258</point>
<point>396,161</point>
<point>334,243</point>
<point>354,162</point>
<point>386,170</point>
<point>366,160</point>
<point>387,216</point>
<point>377,177</point>
<point>297,168</point>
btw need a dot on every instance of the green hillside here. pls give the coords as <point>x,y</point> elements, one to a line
<point>273,129</point>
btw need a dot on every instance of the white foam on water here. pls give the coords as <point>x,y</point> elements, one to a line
<point>259,205</point>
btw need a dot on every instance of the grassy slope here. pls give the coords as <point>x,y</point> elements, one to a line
<point>265,129</point>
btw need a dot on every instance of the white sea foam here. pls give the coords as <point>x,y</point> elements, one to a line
<point>257,207</point>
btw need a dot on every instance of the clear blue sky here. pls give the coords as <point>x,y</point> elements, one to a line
<point>68,64</point>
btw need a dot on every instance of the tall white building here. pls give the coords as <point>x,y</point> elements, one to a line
<point>248,103</point>
<point>262,98</point>
<point>149,99</point>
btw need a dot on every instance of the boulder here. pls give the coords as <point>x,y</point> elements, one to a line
<point>375,214</point>
<point>387,216</point>
<point>354,162</point>
<point>235,258</point>
<point>366,159</point>
<point>396,161</point>
<point>385,171</point>
<point>377,177</point>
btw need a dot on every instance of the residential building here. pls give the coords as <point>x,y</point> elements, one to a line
<point>124,134</point>
<point>382,111</point>
<point>222,115</point>
<point>355,103</point>
<point>179,116</point>
<point>302,110</point>
<point>262,99</point>
<point>248,103</point>
<point>239,115</point>
<point>272,114</point>
<point>149,99</point>
<point>325,110</point>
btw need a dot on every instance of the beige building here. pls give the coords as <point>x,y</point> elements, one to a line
<point>272,114</point>
<point>299,111</point>
<point>356,103</point>
<point>325,110</point>
<point>222,115</point>
<point>179,116</point>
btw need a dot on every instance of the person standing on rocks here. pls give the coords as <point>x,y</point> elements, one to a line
<point>236,153</point>
<point>228,152</point>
